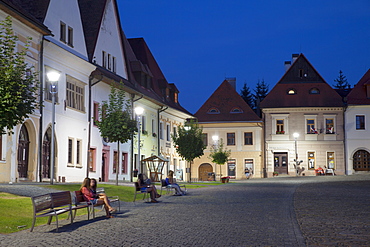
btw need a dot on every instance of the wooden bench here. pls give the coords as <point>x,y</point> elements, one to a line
<point>111,199</point>
<point>52,204</point>
<point>80,202</point>
<point>139,191</point>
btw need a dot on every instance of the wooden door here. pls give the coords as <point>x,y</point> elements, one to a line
<point>204,169</point>
<point>46,150</point>
<point>23,153</point>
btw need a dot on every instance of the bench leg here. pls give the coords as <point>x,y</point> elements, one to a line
<point>33,224</point>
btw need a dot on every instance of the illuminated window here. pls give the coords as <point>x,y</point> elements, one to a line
<point>311,126</point>
<point>330,160</point>
<point>360,122</point>
<point>292,91</point>
<point>329,125</point>
<point>280,126</point>
<point>311,160</point>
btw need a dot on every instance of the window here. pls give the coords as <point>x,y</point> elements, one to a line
<point>75,94</point>
<point>248,138</point>
<point>314,91</point>
<point>300,73</point>
<point>213,111</point>
<point>96,113</point>
<point>70,151</point>
<point>174,131</point>
<point>70,36</point>
<point>311,126</point>
<point>231,165</point>
<point>236,110</point>
<point>124,163</point>
<point>92,160</point>
<point>329,125</point>
<point>168,132</point>
<point>161,131</point>
<point>330,160</point>
<point>291,91</point>
<point>114,64</point>
<point>104,59</point>
<point>78,152</point>
<point>153,128</point>
<point>248,163</point>
<point>361,161</point>
<point>205,139</point>
<point>280,126</point>
<point>115,161</point>
<point>143,125</point>
<point>230,139</point>
<point>360,122</point>
<point>109,62</point>
<point>63,37</point>
<point>311,160</point>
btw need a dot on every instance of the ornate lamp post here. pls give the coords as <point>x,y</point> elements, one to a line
<point>138,111</point>
<point>53,78</point>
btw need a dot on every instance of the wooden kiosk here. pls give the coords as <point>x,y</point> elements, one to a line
<point>155,166</point>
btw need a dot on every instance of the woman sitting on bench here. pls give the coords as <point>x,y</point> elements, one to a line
<point>170,182</point>
<point>95,199</point>
<point>144,185</point>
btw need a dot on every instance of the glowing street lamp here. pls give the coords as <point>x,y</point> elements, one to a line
<point>138,111</point>
<point>297,162</point>
<point>53,78</point>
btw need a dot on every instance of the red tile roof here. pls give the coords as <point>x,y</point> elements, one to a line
<point>303,79</point>
<point>223,106</point>
<point>358,94</point>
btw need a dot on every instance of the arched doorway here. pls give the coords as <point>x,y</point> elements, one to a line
<point>204,169</point>
<point>46,150</point>
<point>23,153</point>
<point>361,161</point>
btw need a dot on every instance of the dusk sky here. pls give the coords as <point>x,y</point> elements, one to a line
<point>197,43</point>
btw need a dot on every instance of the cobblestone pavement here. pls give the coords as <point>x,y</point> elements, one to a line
<point>303,211</point>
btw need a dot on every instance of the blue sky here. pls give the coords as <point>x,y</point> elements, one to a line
<point>197,43</point>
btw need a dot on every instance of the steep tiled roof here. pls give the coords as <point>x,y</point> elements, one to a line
<point>159,85</point>
<point>226,105</point>
<point>32,12</point>
<point>302,86</point>
<point>92,12</point>
<point>358,95</point>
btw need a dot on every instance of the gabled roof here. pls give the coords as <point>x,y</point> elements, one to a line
<point>31,12</point>
<point>302,86</point>
<point>226,105</point>
<point>92,12</point>
<point>358,95</point>
<point>143,54</point>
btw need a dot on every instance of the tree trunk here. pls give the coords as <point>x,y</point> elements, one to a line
<point>117,165</point>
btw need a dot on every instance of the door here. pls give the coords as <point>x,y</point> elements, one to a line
<point>204,169</point>
<point>23,153</point>
<point>46,152</point>
<point>103,164</point>
<point>281,163</point>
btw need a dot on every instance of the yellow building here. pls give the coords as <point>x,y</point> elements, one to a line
<point>226,117</point>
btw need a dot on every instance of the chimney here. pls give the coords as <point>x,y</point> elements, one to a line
<point>232,81</point>
<point>294,57</point>
<point>287,65</point>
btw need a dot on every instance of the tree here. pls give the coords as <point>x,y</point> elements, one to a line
<point>188,142</point>
<point>116,124</point>
<point>19,86</point>
<point>341,81</point>
<point>247,96</point>
<point>261,92</point>
<point>219,155</point>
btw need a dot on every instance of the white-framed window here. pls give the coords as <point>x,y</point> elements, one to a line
<point>78,152</point>
<point>280,124</point>
<point>70,36</point>
<point>330,160</point>
<point>63,32</point>
<point>311,160</point>
<point>168,132</point>
<point>92,160</point>
<point>70,151</point>
<point>311,122</point>
<point>330,123</point>
<point>75,91</point>
<point>161,130</point>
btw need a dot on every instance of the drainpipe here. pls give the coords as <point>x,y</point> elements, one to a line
<point>346,165</point>
<point>89,123</point>
<point>41,71</point>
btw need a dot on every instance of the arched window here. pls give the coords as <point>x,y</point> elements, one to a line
<point>291,91</point>
<point>314,91</point>
<point>236,110</point>
<point>213,110</point>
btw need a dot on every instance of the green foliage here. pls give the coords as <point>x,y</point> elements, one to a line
<point>341,81</point>
<point>248,97</point>
<point>219,155</point>
<point>115,123</point>
<point>261,90</point>
<point>188,141</point>
<point>18,84</point>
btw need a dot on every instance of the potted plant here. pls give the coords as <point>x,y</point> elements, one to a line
<point>154,135</point>
<point>275,174</point>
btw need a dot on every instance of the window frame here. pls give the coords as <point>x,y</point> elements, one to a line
<point>329,159</point>
<point>75,94</point>
<point>360,124</point>
<point>248,140</point>
<point>63,32</point>
<point>311,156</point>
<point>92,160</point>
<point>70,36</point>
<point>230,137</point>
